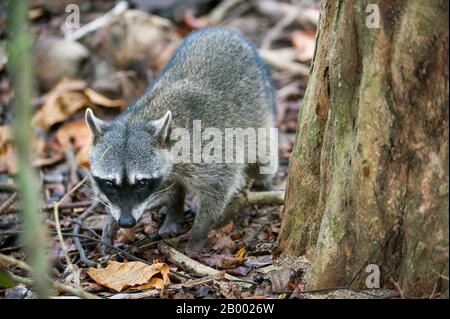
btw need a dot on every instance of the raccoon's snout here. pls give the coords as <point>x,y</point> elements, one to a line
<point>126,221</point>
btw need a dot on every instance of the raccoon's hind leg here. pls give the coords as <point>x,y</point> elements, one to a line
<point>261,182</point>
<point>174,212</point>
<point>209,212</point>
<point>215,195</point>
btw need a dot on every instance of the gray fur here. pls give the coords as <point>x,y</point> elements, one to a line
<point>215,76</point>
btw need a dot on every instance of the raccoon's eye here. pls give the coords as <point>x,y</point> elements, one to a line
<point>109,184</point>
<point>142,184</point>
<point>106,185</point>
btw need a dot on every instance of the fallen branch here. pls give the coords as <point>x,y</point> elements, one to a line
<point>7,204</point>
<point>81,204</point>
<point>60,237</point>
<point>58,225</point>
<point>306,17</point>
<point>218,13</point>
<point>190,264</point>
<point>278,28</point>
<point>79,33</point>
<point>253,198</point>
<point>283,60</point>
<point>57,285</point>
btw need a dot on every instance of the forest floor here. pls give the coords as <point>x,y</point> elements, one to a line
<point>106,69</point>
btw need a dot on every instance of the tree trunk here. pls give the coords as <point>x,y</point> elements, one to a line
<point>368,177</point>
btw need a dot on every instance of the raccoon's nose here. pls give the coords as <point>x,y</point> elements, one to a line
<point>126,221</point>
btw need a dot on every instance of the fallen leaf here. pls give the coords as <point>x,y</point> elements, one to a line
<point>8,161</point>
<point>304,43</point>
<point>240,271</point>
<point>224,244</point>
<point>222,261</point>
<point>7,155</point>
<point>55,58</point>
<point>134,274</point>
<point>126,235</point>
<point>258,262</point>
<point>240,253</point>
<point>68,97</point>
<point>102,100</point>
<point>135,36</point>
<point>82,157</point>
<point>75,133</point>
<point>280,279</point>
<point>60,103</point>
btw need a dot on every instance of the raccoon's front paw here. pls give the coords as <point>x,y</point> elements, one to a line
<point>170,229</point>
<point>196,244</point>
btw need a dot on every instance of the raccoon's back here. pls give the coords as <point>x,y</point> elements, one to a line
<point>220,56</point>
<point>216,76</point>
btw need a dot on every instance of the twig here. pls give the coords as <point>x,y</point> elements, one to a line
<point>306,17</point>
<point>79,33</point>
<point>218,13</point>
<point>40,162</point>
<point>76,230</point>
<point>6,187</point>
<point>8,203</point>
<point>81,204</point>
<point>137,295</point>
<point>278,28</point>
<point>26,281</point>
<point>190,264</point>
<point>253,198</point>
<point>398,288</point>
<point>58,225</point>
<point>80,183</point>
<point>278,60</point>
<point>60,237</point>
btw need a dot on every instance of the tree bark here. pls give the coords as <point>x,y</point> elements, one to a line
<point>368,176</point>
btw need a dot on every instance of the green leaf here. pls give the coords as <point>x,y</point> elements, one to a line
<point>5,279</point>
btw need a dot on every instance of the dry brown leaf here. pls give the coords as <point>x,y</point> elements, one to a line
<point>75,133</point>
<point>102,100</point>
<point>7,156</point>
<point>68,97</point>
<point>8,161</point>
<point>304,43</point>
<point>82,156</point>
<point>134,274</point>
<point>60,103</point>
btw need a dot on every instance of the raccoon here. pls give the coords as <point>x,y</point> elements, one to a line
<point>217,77</point>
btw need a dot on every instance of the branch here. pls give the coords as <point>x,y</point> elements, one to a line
<point>253,198</point>
<point>57,285</point>
<point>280,59</point>
<point>218,13</point>
<point>120,7</point>
<point>7,204</point>
<point>190,264</point>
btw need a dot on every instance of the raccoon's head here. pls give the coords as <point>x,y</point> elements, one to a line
<point>129,161</point>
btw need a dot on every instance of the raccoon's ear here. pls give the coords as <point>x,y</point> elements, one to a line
<point>161,128</point>
<point>96,125</point>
